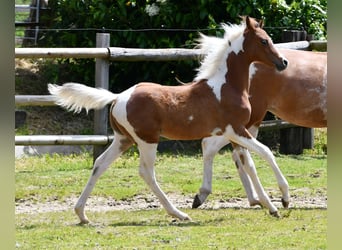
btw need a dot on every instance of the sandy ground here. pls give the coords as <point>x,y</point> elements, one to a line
<point>149,201</point>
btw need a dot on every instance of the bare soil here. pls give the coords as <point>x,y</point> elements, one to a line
<point>149,201</point>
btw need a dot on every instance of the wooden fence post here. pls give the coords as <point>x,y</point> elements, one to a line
<point>294,140</point>
<point>101,81</point>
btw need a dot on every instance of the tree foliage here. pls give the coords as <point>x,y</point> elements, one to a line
<point>164,24</point>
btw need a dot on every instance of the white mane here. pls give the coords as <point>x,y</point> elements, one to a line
<point>216,49</point>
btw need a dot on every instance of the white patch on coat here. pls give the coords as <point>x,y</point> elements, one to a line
<point>119,111</point>
<point>252,71</point>
<point>214,66</point>
<point>320,92</point>
<point>216,131</point>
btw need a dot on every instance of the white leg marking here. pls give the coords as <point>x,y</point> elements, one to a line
<point>146,171</point>
<point>264,152</point>
<point>244,177</point>
<point>100,166</point>
<point>210,147</point>
<point>254,130</point>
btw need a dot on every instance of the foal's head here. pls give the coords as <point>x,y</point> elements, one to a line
<point>259,45</point>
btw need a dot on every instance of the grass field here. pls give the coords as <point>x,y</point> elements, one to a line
<point>47,179</point>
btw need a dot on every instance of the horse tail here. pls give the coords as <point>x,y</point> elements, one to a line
<point>75,96</point>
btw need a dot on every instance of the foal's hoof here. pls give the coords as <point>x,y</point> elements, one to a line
<point>275,214</point>
<point>285,203</point>
<point>187,218</point>
<point>197,202</point>
<point>83,222</point>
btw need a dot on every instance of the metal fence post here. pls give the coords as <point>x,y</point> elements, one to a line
<point>101,81</point>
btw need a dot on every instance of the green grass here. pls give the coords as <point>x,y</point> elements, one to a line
<point>216,229</point>
<point>58,176</point>
<point>40,179</point>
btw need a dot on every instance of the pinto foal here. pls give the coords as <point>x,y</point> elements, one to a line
<point>297,95</point>
<point>215,103</point>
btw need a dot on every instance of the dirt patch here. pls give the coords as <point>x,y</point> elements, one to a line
<point>140,202</point>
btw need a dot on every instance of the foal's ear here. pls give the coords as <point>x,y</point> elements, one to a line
<point>261,23</point>
<point>248,21</point>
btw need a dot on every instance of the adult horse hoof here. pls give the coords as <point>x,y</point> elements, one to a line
<point>285,203</point>
<point>275,214</point>
<point>197,202</point>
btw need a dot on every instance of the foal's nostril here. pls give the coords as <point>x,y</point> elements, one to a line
<point>281,65</point>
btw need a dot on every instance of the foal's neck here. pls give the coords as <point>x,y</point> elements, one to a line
<point>238,72</point>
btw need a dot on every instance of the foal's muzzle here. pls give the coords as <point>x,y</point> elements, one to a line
<point>282,64</point>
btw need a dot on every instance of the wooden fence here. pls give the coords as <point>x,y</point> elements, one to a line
<point>103,55</point>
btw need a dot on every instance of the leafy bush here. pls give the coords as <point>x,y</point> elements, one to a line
<point>163,24</point>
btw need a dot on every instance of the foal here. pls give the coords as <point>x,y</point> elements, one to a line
<point>297,95</point>
<point>215,103</point>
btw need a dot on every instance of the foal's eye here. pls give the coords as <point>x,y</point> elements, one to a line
<point>264,41</point>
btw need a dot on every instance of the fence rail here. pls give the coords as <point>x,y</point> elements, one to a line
<point>134,54</point>
<point>103,55</point>
<point>44,140</point>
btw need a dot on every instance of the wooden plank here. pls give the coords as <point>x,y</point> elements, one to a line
<point>61,53</point>
<point>275,124</point>
<point>300,45</point>
<point>134,55</point>
<point>41,140</point>
<point>34,100</point>
<point>129,54</point>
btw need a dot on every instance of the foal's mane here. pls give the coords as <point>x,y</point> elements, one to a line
<point>215,49</point>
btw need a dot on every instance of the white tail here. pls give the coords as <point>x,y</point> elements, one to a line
<point>75,96</point>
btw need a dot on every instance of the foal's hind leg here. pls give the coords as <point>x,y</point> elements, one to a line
<point>250,169</point>
<point>146,171</point>
<point>118,146</point>
<point>242,157</point>
<point>253,145</point>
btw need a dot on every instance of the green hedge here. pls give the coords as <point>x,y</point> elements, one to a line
<point>152,24</point>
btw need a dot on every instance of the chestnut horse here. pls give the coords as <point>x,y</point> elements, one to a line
<point>215,103</point>
<point>297,95</point>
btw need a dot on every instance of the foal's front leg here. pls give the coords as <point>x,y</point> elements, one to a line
<point>210,147</point>
<point>146,171</point>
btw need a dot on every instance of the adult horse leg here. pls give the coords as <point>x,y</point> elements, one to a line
<point>210,147</point>
<point>263,151</point>
<point>146,170</point>
<point>118,146</point>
